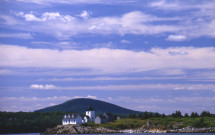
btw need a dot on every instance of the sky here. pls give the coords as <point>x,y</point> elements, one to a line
<point>145,55</point>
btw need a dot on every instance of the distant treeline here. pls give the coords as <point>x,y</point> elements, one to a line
<point>36,122</point>
<point>28,122</point>
<point>176,114</point>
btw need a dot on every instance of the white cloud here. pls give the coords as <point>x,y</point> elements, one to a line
<point>93,97</point>
<point>44,17</point>
<point>178,53</point>
<point>118,78</point>
<point>105,60</point>
<point>66,45</point>
<point>37,99</point>
<point>54,98</point>
<point>85,14</point>
<point>136,100</point>
<point>65,26</point>
<point>198,22</point>
<point>139,87</point>
<point>166,5</point>
<point>40,86</point>
<point>183,5</point>
<point>50,16</point>
<point>48,2</point>
<point>8,20</point>
<point>176,38</point>
<point>16,35</point>
<point>136,22</point>
<point>125,42</point>
<point>167,105</point>
<point>14,104</point>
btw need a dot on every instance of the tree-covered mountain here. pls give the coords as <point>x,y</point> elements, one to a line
<point>81,104</point>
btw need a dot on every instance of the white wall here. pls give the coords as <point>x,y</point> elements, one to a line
<point>91,114</point>
<point>78,120</point>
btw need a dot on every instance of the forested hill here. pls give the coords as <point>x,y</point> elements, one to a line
<point>81,104</point>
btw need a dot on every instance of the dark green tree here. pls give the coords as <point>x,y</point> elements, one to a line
<point>186,115</point>
<point>130,116</point>
<point>200,123</point>
<point>163,116</point>
<point>205,114</point>
<point>176,114</point>
<point>150,114</point>
<point>145,115</point>
<point>194,115</point>
<point>140,115</point>
<point>133,116</point>
<point>157,115</point>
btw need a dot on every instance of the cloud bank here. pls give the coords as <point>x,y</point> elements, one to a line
<point>16,35</point>
<point>109,60</point>
<point>135,22</point>
<point>40,86</point>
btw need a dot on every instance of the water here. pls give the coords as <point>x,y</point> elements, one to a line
<point>129,134</point>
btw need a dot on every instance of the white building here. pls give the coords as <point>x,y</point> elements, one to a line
<point>90,115</point>
<point>75,118</point>
<point>72,119</point>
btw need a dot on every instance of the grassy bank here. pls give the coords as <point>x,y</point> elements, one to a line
<point>162,123</point>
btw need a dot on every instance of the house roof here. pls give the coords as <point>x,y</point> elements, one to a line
<point>71,116</point>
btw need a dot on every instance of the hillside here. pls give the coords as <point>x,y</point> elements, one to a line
<point>80,105</point>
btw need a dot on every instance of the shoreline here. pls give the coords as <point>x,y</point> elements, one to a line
<point>182,130</point>
<point>79,129</point>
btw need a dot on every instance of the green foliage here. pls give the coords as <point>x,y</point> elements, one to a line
<point>167,122</point>
<point>146,115</point>
<point>199,123</point>
<point>163,116</point>
<point>28,122</point>
<point>91,124</point>
<point>186,115</point>
<point>205,114</point>
<point>125,123</point>
<point>133,115</point>
<point>139,115</point>
<point>150,114</point>
<point>176,114</point>
<point>157,115</point>
<point>194,115</point>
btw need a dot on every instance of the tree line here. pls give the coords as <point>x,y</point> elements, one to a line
<point>28,122</point>
<point>176,114</point>
<point>36,122</point>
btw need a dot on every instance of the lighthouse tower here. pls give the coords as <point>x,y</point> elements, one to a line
<point>90,112</point>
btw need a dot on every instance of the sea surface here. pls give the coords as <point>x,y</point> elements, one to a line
<point>129,134</point>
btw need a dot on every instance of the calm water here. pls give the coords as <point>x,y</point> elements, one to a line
<point>132,134</point>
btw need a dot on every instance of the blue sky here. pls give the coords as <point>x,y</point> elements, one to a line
<point>146,55</point>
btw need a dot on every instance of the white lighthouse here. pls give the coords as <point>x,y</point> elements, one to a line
<point>90,113</point>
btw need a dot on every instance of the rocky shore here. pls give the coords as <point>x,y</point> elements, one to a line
<point>78,129</point>
<point>193,130</point>
<point>149,127</point>
<point>182,130</point>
